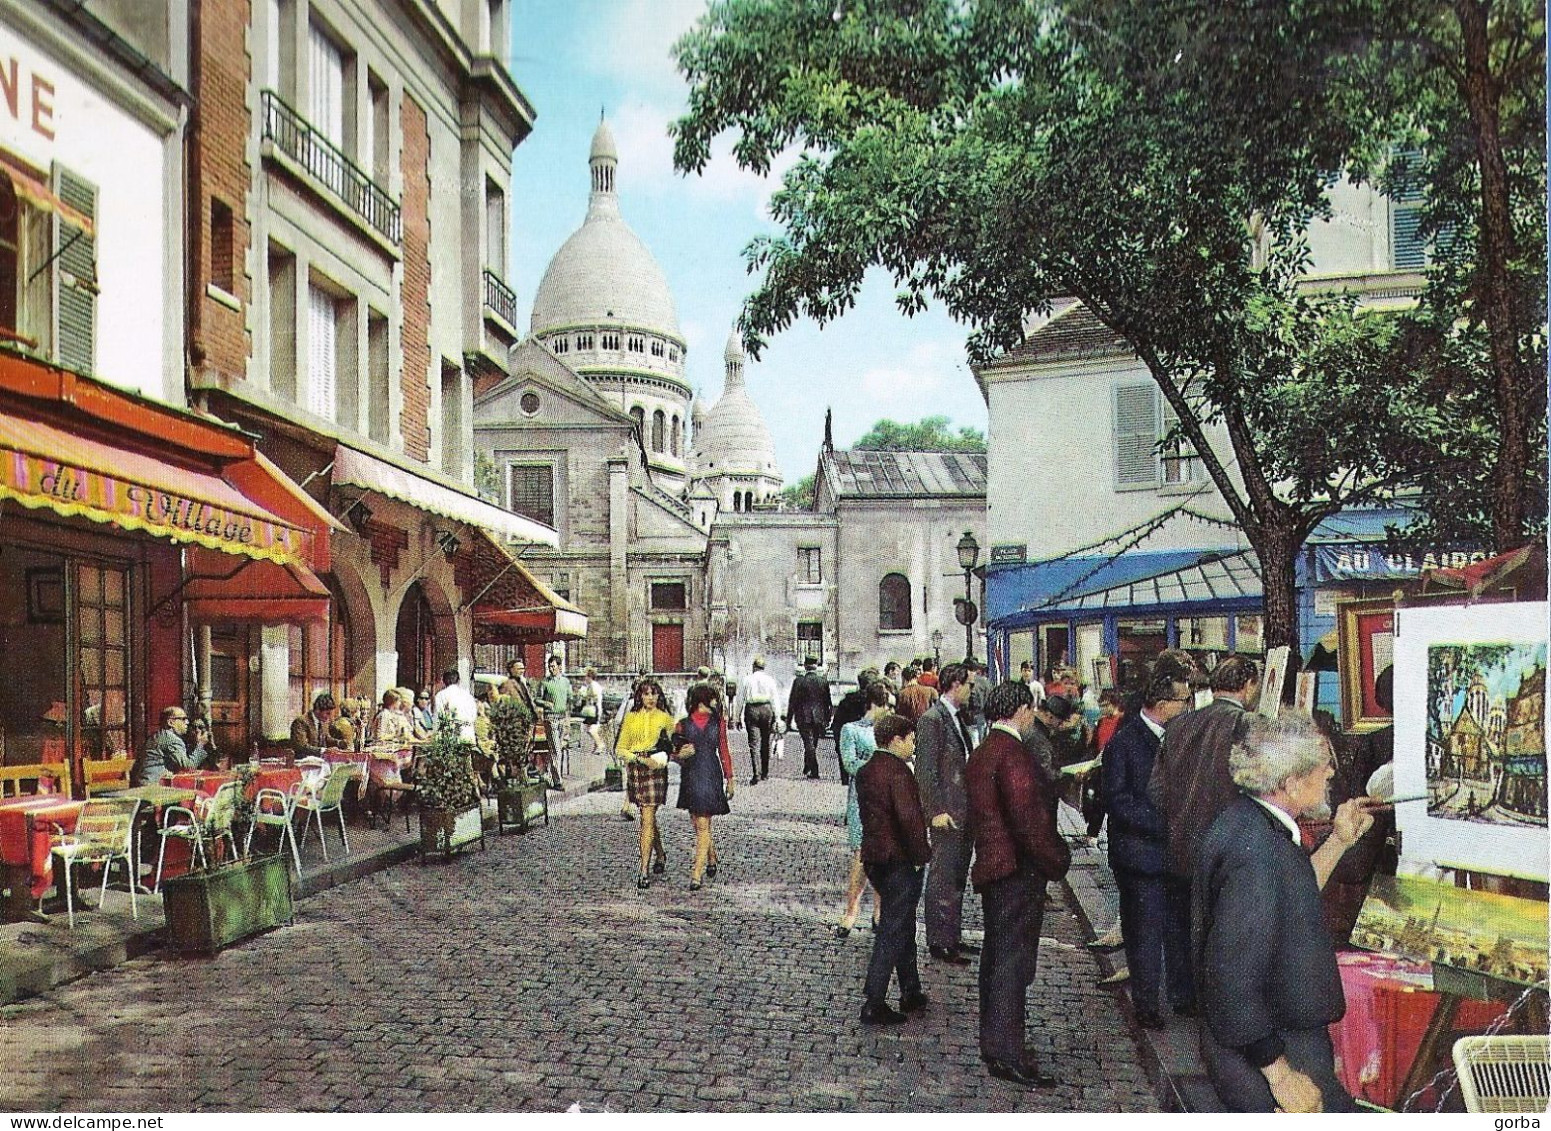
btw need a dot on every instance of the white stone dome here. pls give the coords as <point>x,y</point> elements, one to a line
<point>732,439</point>
<point>603,274</point>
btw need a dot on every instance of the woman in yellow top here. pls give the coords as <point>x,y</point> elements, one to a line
<point>643,749</point>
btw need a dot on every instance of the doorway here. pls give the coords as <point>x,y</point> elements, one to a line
<point>414,638</point>
<point>667,647</point>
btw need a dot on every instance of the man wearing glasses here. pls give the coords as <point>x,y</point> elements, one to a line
<point>1154,907</point>
<point>165,753</point>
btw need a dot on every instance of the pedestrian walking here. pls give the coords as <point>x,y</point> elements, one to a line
<point>857,744</point>
<point>643,746</point>
<point>808,708</point>
<point>591,693</point>
<point>1017,851</point>
<point>555,698</point>
<point>894,850</point>
<point>915,698</point>
<point>705,780</point>
<point>852,706</point>
<point>759,718</point>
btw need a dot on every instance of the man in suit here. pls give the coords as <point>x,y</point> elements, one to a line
<point>808,708</point>
<point>1267,966</point>
<point>310,732</point>
<point>1190,783</point>
<point>894,851</point>
<point>165,752</point>
<point>1154,908</point>
<point>943,744</point>
<point>1017,851</point>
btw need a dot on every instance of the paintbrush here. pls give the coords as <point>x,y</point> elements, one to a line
<point>1376,802</point>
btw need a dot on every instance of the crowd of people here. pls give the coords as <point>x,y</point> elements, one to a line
<point>953,786</point>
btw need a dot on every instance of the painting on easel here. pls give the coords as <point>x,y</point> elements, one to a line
<point>1498,935</point>
<point>1470,693</point>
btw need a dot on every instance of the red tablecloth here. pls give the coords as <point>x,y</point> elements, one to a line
<point>1389,1002</point>
<point>205,781</point>
<point>26,824</point>
<point>276,777</point>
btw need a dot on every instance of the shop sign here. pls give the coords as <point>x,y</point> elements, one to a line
<point>1358,563</point>
<point>173,512</point>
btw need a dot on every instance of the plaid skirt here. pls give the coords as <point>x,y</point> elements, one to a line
<point>647,785</point>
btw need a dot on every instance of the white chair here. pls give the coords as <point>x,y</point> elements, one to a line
<point>202,825</point>
<point>104,832</point>
<point>272,809</point>
<point>326,797</point>
<point>1504,1074</point>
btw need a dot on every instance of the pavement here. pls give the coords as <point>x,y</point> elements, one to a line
<point>534,976</point>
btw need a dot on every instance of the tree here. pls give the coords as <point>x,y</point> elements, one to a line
<point>798,496</point>
<point>931,434</point>
<point>1158,160</point>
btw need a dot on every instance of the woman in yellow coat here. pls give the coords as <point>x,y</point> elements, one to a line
<point>643,747</point>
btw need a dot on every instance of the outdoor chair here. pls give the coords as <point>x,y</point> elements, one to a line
<point>325,797</point>
<point>201,826</point>
<point>106,774</point>
<point>104,832</point>
<point>272,809</point>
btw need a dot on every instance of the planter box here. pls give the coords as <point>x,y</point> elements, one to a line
<point>208,910</point>
<point>520,806</point>
<point>444,831</point>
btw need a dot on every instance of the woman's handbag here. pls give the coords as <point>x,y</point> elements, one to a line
<point>672,744</point>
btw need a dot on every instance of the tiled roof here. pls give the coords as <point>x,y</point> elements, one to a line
<point>1073,333</point>
<point>879,475</point>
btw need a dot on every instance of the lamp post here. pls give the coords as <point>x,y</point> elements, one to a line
<point>969,555</point>
<point>937,646</point>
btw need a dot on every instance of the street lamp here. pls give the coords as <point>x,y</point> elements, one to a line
<point>969,555</point>
<point>937,646</point>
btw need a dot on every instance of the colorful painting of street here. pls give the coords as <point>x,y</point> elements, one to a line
<point>1486,738</point>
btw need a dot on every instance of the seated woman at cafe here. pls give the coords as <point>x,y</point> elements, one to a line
<point>422,713</point>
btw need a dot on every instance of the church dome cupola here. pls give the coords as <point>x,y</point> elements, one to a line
<point>734,453</point>
<point>603,161</point>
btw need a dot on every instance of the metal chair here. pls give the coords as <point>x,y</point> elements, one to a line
<point>209,824</point>
<point>106,774</point>
<point>272,808</point>
<point>104,832</point>
<point>1504,1074</point>
<point>326,797</point>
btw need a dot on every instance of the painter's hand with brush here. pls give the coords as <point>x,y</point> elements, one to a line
<point>1353,818</point>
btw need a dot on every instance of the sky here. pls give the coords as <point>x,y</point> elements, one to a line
<point>575,58</point>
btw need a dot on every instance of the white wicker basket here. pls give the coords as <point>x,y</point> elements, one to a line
<point>1504,1074</point>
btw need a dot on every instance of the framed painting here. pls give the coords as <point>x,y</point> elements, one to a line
<point>1470,739</point>
<point>1271,682</point>
<point>46,595</point>
<point>1366,648</point>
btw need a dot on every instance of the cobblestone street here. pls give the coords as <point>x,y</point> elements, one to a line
<point>535,975</point>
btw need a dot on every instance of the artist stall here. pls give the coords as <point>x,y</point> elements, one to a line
<point>1456,938</point>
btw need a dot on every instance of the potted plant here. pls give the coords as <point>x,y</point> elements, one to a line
<point>520,797</point>
<point>228,900</point>
<point>447,789</point>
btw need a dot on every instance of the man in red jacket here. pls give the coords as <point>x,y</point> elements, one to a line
<point>894,850</point>
<point>1017,851</point>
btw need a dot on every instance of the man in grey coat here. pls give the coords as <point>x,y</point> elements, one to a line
<point>943,745</point>
<point>165,751</point>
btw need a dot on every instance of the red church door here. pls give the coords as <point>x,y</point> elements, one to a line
<point>667,647</point>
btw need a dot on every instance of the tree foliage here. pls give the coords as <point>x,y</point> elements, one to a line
<point>929,434</point>
<point>798,496</point>
<point>1161,161</point>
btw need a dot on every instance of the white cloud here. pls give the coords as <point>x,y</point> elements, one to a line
<point>633,41</point>
<point>640,130</point>
<point>927,369</point>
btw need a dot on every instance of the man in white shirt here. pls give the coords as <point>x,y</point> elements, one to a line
<point>759,694</point>
<point>455,700</point>
<point>1026,675</point>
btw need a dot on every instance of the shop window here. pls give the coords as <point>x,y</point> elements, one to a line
<point>810,565</point>
<point>894,602</point>
<point>533,491</point>
<point>810,639</point>
<point>669,596</point>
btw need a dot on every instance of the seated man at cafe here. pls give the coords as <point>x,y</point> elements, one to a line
<point>165,752</point>
<point>310,732</point>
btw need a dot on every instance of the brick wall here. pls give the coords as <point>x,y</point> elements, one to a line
<point>416,291</point>
<point>220,170</point>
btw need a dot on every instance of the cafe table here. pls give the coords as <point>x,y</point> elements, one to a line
<point>27,826</point>
<point>204,782</point>
<point>155,799</point>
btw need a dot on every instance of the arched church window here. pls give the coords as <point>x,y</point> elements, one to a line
<point>894,601</point>
<point>659,428</point>
<point>611,341</point>
<point>584,341</point>
<point>677,437</point>
<point>636,344</point>
<point>656,347</point>
<point>562,344</point>
<point>638,414</point>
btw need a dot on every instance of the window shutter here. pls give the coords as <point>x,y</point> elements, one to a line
<point>321,352</point>
<point>1407,249</point>
<point>1136,435</point>
<point>75,272</point>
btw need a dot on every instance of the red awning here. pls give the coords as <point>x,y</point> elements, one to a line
<point>511,606</point>
<point>225,589</point>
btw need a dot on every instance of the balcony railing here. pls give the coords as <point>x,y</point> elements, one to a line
<point>298,140</point>
<point>500,298</point>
